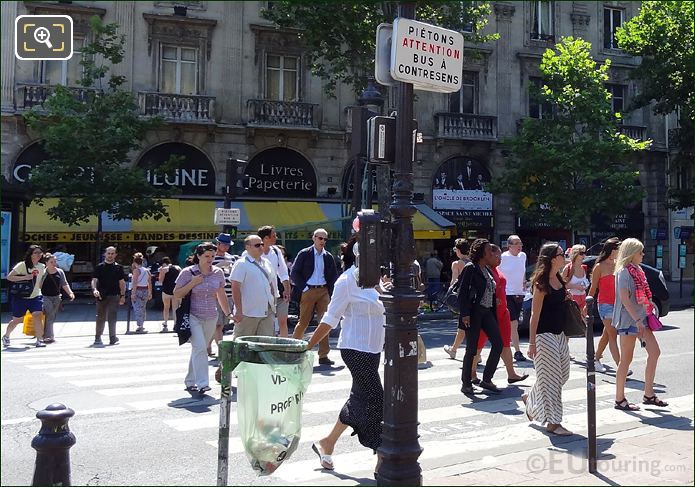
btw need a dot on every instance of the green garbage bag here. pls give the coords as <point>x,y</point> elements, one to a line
<point>269,408</point>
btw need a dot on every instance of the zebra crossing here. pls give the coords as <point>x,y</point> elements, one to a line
<point>145,374</point>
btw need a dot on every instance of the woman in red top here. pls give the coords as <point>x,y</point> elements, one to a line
<point>603,282</point>
<point>503,320</point>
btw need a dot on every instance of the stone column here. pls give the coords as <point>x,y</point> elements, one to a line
<point>503,14</point>
<point>232,81</point>
<point>124,16</point>
<point>9,13</point>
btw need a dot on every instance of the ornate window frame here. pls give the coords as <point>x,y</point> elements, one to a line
<point>278,41</point>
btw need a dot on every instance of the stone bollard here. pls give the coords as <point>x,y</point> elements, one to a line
<point>52,445</point>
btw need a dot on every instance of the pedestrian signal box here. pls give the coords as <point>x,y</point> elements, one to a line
<point>381,138</point>
<point>370,248</point>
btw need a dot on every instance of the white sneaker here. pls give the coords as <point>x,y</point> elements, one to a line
<point>599,367</point>
<point>450,350</point>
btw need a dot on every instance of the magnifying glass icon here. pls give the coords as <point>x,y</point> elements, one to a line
<point>43,36</point>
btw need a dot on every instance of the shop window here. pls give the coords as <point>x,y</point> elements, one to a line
<point>536,109</point>
<point>178,70</point>
<point>617,96</point>
<point>612,19</point>
<point>542,21</point>
<point>466,99</point>
<point>282,78</point>
<point>66,73</point>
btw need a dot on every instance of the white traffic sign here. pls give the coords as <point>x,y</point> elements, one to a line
<point>429,57</point>
<point>227,216</point>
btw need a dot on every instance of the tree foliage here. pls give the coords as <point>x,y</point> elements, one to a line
<point>565,168</point>
<point>662,34</point>
<point>340,37</point>
<point>88,134</point>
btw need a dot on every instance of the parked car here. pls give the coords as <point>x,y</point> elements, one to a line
<point>655,278</point>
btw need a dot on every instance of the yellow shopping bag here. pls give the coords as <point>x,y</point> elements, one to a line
<point>28,328</point>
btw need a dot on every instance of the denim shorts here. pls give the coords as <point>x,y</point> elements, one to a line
<point>605,311</point>
<point>632,331</point>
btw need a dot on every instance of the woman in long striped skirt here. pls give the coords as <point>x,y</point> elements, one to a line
<point>547,342</point>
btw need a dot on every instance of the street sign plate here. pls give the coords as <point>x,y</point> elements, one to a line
<point>382,58</point>
<point>227,216</point>
<point>426,55</point>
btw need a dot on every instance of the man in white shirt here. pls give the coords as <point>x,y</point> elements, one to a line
<point>253,291</point>
<point>513,267</point>
<point>274,255</point>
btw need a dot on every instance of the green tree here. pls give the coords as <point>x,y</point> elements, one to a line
<point>340,37</point>
<point>89,133</point>
<point>662,34</point>
<point>565,168</point>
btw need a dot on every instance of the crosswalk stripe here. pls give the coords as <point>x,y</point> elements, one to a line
<point>81,412</point>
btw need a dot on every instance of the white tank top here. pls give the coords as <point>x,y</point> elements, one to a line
<point>143,277</point>
<point>579,280</point>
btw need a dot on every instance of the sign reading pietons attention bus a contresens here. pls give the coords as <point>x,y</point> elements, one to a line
<point>426,55</point>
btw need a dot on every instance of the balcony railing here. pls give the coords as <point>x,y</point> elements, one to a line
<point>634,131</point>
<point>466,126</point>
<point>281,114</point>
<point>32,95</point>
<point>177,108</point>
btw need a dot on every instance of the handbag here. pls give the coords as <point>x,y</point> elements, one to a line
<point>451,299</point>
<point>22,289</point>
<point>182,325</point>
<point>574,324</point>
<point>653,322</point>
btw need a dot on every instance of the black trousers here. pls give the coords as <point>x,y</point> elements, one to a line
<point>482,319</point>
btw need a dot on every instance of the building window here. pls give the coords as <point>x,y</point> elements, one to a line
<point>612,19</point>
<point>66,73</point>
<point>467,25</point>
<point>542,21</point>
<point>536,109</point>
<point>178,70</point>
<point>282,78</point>
<point>466,99</point>
<point>618,97</point>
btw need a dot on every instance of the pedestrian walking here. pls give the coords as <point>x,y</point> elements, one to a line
<point>254,291</point>
<point>54,282</point>
<point>433,272</point>
<point>277,261</point>
<point>108,288</point>
<point>314,273</point>
<point>576,277</point>
<point>478,303</point>
<point>205,282</point>
<point>225,261</point>
<point>503,321</point>
<point>603,283</point>
<point>30,270</point>
<point>513,266</point>
<point>141,291</point>
<point>548,346</point>
<point>168,273</point>
<point>361,342</point>
<point>461,249</point>
<point>633,306</point>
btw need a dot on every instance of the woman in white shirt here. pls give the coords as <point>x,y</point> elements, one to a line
<point>361,342</point>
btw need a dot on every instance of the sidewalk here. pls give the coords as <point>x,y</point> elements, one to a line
<point>678,302</point>
<point>648,455</point>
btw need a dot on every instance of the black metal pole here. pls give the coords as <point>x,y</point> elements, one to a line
<point>590,385</point>
<point>400,449</point>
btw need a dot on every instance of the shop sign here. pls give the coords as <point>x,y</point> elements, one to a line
<point>194,176</point>
<point>306,235</point>
<point>115,237</point>
<point>459,192</point>
<point>280,173</point>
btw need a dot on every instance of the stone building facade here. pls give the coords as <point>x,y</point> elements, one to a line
<point>232,86</point>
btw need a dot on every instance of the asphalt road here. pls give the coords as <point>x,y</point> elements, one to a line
<point>135,425</point>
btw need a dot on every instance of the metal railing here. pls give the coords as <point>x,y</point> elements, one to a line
<point>466,126</point>
<point>281,113</point>
<point>177,108</point>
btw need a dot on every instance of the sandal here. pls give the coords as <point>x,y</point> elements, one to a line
<point>325,460</point>
<point>524,399</point>
<point>559,430</point>
<point>654,401</point>
<point>624,405</point>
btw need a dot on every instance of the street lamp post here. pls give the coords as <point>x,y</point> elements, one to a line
<point>400,449</point>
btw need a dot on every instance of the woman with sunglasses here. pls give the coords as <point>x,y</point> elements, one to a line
<point>633,304</point>
<point>205,282</point>
<point>548,345</point>
<point>603,283</point>
<point>575,274</point>
<point>33,270</point>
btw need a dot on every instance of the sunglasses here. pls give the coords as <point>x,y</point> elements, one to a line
<point>257,245</point>
<point>321,238</point>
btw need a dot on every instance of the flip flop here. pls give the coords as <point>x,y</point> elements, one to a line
<point>325,460</point>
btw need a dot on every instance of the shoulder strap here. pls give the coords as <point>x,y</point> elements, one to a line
<point>277,254</point>
<point>265,273</point>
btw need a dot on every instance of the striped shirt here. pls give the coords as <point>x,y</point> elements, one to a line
<point>226,262</point>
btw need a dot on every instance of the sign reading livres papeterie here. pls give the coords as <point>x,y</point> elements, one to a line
<point>426,55</point>
<point>280,173</point>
